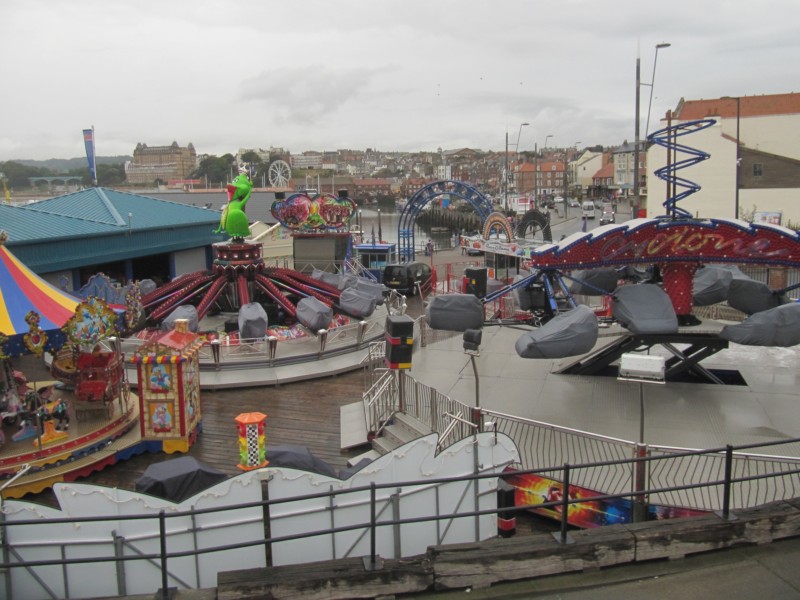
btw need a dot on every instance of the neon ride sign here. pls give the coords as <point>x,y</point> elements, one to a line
<point>676,241</point>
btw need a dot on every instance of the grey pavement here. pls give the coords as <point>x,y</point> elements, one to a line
<point>766,572</point>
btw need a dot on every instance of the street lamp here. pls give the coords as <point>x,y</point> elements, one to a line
<point>472,347</point>
<point>505,170</point>
<point>547,137</point>
<point>652,81</point>
<point>636,129</point>
<point>641,368</point>
<point>738,159</point>
<point>519,134</point>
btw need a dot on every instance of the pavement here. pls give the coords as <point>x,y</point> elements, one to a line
<point>768,571</point>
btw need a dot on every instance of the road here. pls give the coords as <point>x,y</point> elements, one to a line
<point>561,225</point>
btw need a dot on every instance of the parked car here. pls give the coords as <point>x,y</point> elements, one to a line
<point>606,218</point>
<point>407,277</point>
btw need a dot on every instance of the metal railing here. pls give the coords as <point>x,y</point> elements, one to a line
<point>543,443</point>
<point>377,514</point>
<point>232,352</point>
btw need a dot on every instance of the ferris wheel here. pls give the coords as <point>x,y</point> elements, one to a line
<point>279,173</point>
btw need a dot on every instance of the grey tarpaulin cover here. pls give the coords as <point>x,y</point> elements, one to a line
<point>711,285</point>
<point>779,326</point>
<point>314,314</point>
<point>356,304</point>
<point>569,334</point>
<point>334,279</point>
<point>298,457</point>
<point>184,311</point>
<point>750,296</point>
<point>252,321</point>
<point>178,479</point>
<point>644,308</point>
<point>455,312</point>
<point>633,273</point>
<point>735,271</point>
<point>365,287</point>
<point>146,286</point>
<point>594,282</point>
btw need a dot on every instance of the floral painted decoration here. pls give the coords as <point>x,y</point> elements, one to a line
<point>301,212</point>
<point>92,322</point>
<point>35,339</point>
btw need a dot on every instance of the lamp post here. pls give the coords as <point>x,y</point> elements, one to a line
<point>516,146</point>
<point>546,138</point>
<point>652,82</point>
<point>472,343</point>
<point>640,368</point>
<point>636,129</point>
<point>519,134</point>
<point>505,170</point>
<point>738,159</point>
<point>505,176</point>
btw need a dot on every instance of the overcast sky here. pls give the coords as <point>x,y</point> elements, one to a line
<point>386,74</point>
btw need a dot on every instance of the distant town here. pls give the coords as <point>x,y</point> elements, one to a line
<point>368,175</point>
<point>739,154</point>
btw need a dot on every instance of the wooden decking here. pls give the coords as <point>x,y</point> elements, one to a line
<point>305,413</point>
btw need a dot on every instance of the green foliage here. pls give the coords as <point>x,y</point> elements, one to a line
<point>17,174</point>
<point>215,169</point>
<point>109,175</point>
<point>251,158</point>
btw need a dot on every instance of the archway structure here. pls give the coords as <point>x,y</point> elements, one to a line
<point>415,205</point>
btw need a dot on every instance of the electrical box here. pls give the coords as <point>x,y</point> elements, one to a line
<point>642,367</point>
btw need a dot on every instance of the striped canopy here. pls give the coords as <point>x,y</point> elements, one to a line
<point>22,290</point>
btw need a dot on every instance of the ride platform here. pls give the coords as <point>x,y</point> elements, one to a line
<point>57,455</point>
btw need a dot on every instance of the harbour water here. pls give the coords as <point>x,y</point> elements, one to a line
<point>383,224</point>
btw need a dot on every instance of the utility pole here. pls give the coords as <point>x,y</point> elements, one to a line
<point>636,145</point>
<point>505,176</point>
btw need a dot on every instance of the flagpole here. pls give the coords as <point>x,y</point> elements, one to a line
<point>94,160</point>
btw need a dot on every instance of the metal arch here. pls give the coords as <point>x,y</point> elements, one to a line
<point>536,221</point>
<point>666,139</point>
<point>405,226</point>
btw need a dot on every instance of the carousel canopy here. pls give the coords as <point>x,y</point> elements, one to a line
<point>22,291</point>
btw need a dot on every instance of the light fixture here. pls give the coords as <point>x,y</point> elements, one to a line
<point>472,341</point>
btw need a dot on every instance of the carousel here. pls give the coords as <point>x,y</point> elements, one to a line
<point>82,416</point>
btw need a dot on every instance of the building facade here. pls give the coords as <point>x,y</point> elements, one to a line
<point>754,159</point>
<point>160,163</point>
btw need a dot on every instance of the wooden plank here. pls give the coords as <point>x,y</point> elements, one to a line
<point>482,564</point>
<point>352,425</point>
<point>325,580</point>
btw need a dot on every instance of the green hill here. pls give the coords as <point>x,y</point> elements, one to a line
<point>63,165</point>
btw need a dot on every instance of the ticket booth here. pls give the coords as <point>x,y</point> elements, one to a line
<point>375,256</point>
<point>168,370</point>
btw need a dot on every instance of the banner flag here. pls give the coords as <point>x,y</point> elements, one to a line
<point>88,141</point>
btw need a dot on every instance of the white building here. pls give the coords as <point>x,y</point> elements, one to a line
<point>768,153</point>
<point>582,169</point>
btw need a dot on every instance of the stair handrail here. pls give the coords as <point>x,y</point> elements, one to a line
<point>454,421</point>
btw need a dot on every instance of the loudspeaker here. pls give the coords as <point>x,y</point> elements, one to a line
<point>399,338</point>
<point>477,278</point>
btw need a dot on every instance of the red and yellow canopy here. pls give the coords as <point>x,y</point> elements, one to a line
<point>22,290</point>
